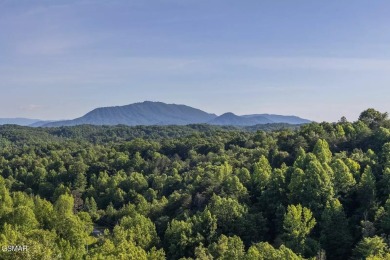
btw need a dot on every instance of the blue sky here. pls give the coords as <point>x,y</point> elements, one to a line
<point>316,59</point>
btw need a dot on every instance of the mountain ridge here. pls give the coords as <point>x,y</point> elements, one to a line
<point>18,121</point>
<point>159,113</point>
<point>233,119</point>
<point>142,113</point>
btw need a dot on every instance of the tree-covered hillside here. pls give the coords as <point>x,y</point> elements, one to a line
<point>320,191</point>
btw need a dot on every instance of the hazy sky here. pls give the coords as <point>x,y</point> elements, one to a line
<point>316,59</point>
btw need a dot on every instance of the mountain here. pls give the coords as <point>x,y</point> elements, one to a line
<point>40,123</point>
<point>294,120</point>
<point>232,119</point>
<point>145,113</point>
<point>158,113</point>
<point>18,121</point>
<point>257,119</point>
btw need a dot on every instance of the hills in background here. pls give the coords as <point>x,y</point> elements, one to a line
<point>158,113</point>
<point>21,121</point>
<point>17,121</point>
<point>24,122</point>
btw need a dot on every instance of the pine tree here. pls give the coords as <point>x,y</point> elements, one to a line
<point>298,223</point>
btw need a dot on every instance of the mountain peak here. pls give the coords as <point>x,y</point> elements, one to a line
<point>142,113</point>
<point>228,114</point>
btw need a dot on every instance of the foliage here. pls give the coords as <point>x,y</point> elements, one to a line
<point>197,191</point>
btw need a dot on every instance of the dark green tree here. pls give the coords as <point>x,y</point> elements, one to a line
<point>335,237</point>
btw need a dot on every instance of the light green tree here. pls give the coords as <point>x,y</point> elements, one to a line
<point>261,173</point>
<point>311,186</point>
<point>265,251</point>
<point>5,200</point>
<point>228,248</point>
<point>298,223</point>
<point>138,229</point>
<point>322,151</point>
<point>343,178</point>
<point>229,212</point>
<point>180,239</point>
<point>371,247</point>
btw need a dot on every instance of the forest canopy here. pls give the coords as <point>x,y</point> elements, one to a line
<point>318,191</point>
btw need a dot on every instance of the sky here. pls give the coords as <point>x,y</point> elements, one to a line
<point>320,60</point>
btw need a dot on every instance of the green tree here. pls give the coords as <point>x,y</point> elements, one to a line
<point>354,167</point>
<point>64,205</point>
<point>80,182</point>
<point>138,229</point>
<point>265,251</point>
<point>276,193</point>
<point>311,186</point>
<point>343,178</point>
<point>228,248</point>
<point>91,207</point>
<point>5,200</point>
<point>261,173</point>
<point>385,155</point>
<point>180,239</point>
<point>122,250</point>
<point>322,151</point>
<point>367,190</point>
<point>74,230</point>
<point>298,223</point>
<point>229,213</point>
<point>138,182</point>
<point>23,218</point>
<point>373,118</point>
<point>384,218</point>
<point>44,213</point>
<point>41,244</point>
<point>205,224</point>
<point>371,247</point>
<point>202,253</point>
<point>335,234</point>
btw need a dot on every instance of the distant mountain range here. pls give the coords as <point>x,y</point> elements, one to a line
<point>232,119</point>
<point>158,113</point>
<point>23,122</point>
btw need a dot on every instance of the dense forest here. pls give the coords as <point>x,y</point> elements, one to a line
<point>320,191</point>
